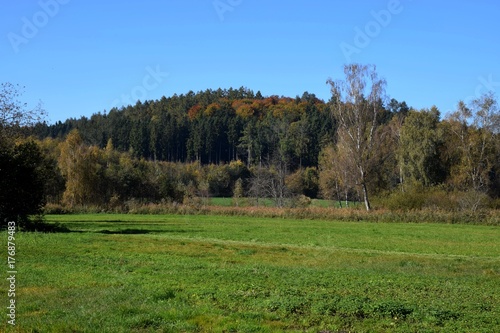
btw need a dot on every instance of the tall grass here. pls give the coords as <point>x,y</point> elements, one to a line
<point>423,215</point>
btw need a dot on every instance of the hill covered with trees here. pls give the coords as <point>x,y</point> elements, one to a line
<point>209,127</point>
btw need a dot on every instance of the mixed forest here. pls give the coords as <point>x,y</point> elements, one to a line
<point>359,146</point>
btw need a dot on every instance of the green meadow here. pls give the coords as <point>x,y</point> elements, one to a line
<point>172,273</point>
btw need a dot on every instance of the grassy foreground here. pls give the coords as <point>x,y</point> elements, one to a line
<point>169,273</point>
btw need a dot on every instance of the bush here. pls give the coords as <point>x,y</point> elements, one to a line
<point>238,192</point>
<point>420,198</point>
<point>295,182</point>
<point>56,209</point>
<point>494,204</point>
<point>217,178</point>
<point>472,201</point>
<point>405,201</point>
<point>22,181</point>
<point>304,181</point>
<point>303,201</point>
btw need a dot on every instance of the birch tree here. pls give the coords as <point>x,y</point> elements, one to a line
<point>15,114</point>
<point>476,127</point>
<point>355,104</point>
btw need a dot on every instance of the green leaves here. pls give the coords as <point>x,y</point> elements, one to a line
<point>418,152</point>
<point>23,173</point>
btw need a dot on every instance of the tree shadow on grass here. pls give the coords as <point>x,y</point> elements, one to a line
<point>59,228</point>
<point>45,227</point>
<point>142,231</point>
<point>125,232</point>
<point>38,224</point>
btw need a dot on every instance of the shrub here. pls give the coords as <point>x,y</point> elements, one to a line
<point>218,179</point>
<point>295,182</point>
<point>238,192</point>
<point>304,181</point>
<point>405,201</point>
<point>420,198</point>
<point>472,201</point>
<point>494,204</point>
<point>303,201</point>
<point>52,208</point>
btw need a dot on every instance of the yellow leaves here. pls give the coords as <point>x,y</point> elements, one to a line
<point>244,108</point>
<point>210,110</point>
<point>74,139</point>
<point>245,111</point>
<point>289,108</point>
<point>80,165</point>
<point>237,164</point>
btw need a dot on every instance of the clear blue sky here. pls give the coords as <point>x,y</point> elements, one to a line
<point>82,57</point>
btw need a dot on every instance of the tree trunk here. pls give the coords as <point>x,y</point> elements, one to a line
<point>365,196</point>
<point>401,179</point>
<point>249,159</point>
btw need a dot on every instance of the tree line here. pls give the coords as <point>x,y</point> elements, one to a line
<point>239,143</point>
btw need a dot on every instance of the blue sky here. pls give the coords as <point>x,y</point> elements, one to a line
<point>82,57</point>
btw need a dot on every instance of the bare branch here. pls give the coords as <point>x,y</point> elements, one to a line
<point>14,114</point>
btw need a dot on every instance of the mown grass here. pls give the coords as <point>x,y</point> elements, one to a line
<point>170,273</point>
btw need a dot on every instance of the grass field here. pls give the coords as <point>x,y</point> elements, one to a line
<point>149,273</point>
